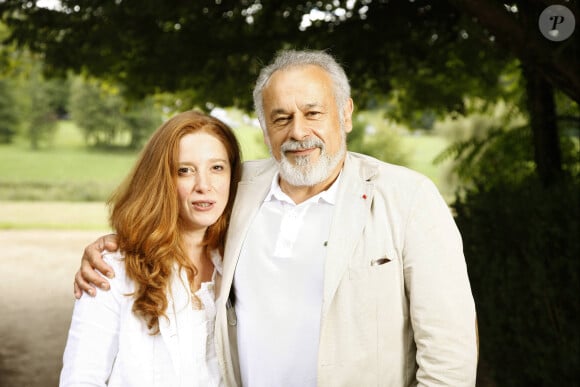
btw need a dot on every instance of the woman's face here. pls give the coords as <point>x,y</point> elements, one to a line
<point>203,180</point>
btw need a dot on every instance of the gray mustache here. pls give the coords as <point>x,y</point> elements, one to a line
<point>292,145</point>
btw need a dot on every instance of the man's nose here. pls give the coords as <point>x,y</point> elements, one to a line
<point>299,128</point>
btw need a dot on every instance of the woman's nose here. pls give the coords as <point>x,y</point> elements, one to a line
<point>202,182</point>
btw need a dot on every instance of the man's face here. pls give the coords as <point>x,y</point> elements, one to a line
<point>303,127</point>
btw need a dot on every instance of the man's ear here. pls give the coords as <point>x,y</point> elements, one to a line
<point>347,115</point>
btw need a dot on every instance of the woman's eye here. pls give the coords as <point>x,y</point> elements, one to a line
<point>218,167</point>
<point>185,171</point>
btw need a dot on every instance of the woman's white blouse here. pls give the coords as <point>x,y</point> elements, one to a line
<point>108,345</point>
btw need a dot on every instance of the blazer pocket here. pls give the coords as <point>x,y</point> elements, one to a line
<point>373,285</point>
<point>380,261</point>
<point>370,268</point>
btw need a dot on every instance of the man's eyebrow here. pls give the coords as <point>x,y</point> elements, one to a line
<point>276,112</point>
<point>303,106</point>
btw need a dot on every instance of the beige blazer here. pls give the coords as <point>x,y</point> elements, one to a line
<point>397,307</point>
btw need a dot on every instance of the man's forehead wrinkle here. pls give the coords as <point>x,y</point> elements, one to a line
<point>312,105</point>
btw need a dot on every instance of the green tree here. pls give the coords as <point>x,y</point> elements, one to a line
<point>9,121</point>
<point>425,54</point>
<point>96,107</point>
<point>521,246</point>
<point>107,119</point>
<point>9,118</point>
<point>32,101</point>
<point>141,119</point>
<point>40,112</point>
<point>58,92</point>
<point>376,139</point>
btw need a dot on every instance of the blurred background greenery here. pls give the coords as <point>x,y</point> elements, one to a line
<point>468,92</point>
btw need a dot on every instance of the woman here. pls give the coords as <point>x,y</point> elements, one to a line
<point>155,327</point>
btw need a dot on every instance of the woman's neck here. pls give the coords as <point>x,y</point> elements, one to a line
<point>199,257</point>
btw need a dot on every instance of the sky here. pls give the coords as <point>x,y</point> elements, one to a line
<point>52,4</point>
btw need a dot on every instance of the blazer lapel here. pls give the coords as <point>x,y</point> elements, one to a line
<point>352,209</point>
<point>251,192</point>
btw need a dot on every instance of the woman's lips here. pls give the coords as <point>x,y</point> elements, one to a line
<point>203,205</point>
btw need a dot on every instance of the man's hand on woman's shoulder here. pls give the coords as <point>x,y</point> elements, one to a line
<point>87,278</point>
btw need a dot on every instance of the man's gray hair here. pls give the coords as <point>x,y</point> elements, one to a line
<point>291,58</point>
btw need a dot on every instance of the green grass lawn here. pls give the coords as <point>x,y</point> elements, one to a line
<point>62,165</point>
<point>60,173</point>
<point>64,185</point>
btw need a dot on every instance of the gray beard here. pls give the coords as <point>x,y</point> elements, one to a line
<point>305,173</point>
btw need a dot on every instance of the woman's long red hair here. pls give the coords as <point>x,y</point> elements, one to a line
<point>144,212</point>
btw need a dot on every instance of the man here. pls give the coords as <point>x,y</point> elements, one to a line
<point>339,269</point>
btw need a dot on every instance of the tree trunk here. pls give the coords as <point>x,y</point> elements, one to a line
<point>542,115</point>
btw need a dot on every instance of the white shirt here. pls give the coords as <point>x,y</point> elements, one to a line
<point>278,286</point>
<point>109,345</point>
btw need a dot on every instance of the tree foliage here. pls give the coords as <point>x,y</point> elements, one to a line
<point>217,47</point>
<point>9,120</point>
<point>29,102</point>
<point>96,108</point>
<point>424,54</point>
<point>109,120</point>
<point>378,140</point>
<point>40,108</point>
<point>521,246</point>
<point>141,118</point>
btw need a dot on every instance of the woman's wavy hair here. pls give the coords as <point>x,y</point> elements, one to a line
<point>144,212</point>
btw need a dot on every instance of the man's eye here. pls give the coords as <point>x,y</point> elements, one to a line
<point>313,114</point>
<point>281,120</point>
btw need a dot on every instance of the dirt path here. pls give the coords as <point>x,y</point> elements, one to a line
<point>36,276</point>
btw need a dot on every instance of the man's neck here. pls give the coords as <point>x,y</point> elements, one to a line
<point>300,194</point>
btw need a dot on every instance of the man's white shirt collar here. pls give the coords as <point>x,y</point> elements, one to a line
<point>329,195</point>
